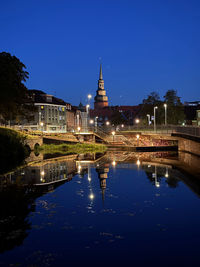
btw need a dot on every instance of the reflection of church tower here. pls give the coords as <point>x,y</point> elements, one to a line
<point>103,175</point>
<point>100,100</point>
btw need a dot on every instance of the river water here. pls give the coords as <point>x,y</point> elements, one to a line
<point>120,208</point>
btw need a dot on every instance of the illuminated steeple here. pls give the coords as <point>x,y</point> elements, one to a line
<point>100,100</point>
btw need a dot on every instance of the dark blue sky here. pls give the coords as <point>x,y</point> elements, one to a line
<point>145,46</point>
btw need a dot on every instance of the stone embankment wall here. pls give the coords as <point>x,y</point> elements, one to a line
<point>150,139</point>
<point>187,145</point>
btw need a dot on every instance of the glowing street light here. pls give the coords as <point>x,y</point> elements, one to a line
<point>107,123</point>
<point>154,120</point>
<point>165,106</point>
<point>89,96</point>
<point>137,121</point>
<point>91,121</point>
<point>79,128</point>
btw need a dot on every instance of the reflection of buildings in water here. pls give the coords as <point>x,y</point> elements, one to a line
<point>18,192</point>
<point>102,171</point>
<point>43,173</point>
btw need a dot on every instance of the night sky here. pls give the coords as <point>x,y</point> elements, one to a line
<point>144,46</point>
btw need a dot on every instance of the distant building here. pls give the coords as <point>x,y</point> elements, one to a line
<point>50,114</point>
<point>191,110</point>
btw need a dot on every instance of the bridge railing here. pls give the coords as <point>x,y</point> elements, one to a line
<point>160,129</point>
<point>188,130</point>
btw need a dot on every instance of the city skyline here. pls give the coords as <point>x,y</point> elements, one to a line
<point>143,47</point>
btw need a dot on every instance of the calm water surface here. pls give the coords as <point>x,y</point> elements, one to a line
<point>118,209</point>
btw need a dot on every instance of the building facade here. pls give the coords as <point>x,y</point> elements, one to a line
<point>50,113</point>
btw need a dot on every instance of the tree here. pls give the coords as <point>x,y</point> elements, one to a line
<point>147,107</point>
<point>13,92</point>
<point>175,109</point>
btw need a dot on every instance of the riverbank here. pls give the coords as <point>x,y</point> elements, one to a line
<point>13,149</point>
<point>71,148</point>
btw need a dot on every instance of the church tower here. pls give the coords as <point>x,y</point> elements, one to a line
<point>100,100</point>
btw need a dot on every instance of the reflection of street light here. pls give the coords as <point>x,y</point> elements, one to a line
<point>154,120</point>
<point>165,106</point>
<point>114,163</point>
<point>113,134</point>
<point>167,173</point>
<point>138,162</point>
<point>91,196</point>
<point>154,175</point>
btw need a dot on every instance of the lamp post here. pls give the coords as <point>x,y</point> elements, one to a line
<point>42,125</point>
<point>165,106</point>
<point>88,115</point>
<point>154,113</point>
<point>137,136</point>
<point>113,134</point>
<point>137,122</point>
<point>95,123</point>
<point>148,118</point>
<point>89,97</point>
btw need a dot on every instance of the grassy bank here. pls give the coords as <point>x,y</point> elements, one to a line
<point>71,148</point>
<point>12,149</point>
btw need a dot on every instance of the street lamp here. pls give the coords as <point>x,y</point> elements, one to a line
<point>148,117</point>
<point>96,122</point>
<point>79,128</point>
<point>87,108</point>
<point>89,97</point>
<point>165,106</point>
<point>42,124</point>
<point>107,123</point>
<point>154,113</point>
<point>137,136</point>
<point>137,121</point>
<point>113,134</point>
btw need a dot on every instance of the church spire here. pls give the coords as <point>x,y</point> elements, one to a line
<point>100,73</point>
<point>100,100</point>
